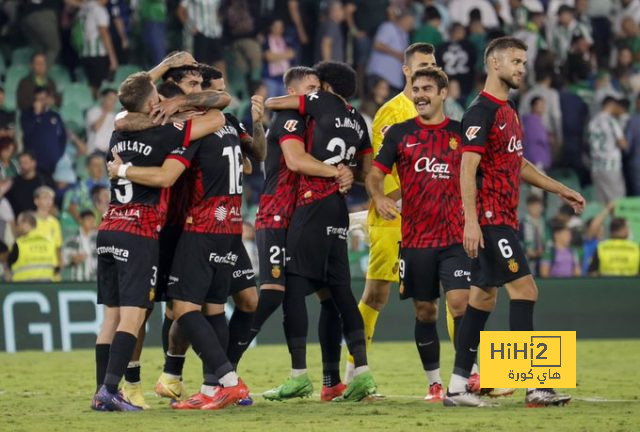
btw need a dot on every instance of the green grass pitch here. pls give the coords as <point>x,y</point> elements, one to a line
<point>51,392</point>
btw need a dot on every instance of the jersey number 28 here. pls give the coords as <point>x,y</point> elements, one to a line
<point>345,153</point>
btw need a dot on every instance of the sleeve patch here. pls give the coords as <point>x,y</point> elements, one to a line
<point>178,125</point>
<point>291,125</point>
<point>472,132</point>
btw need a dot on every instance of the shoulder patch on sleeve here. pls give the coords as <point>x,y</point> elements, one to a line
<point>472,132</point>
<point>178,125</point>
<point>290,125</point>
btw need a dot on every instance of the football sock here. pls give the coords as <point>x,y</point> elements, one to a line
<point>166,325</point>
<point>269,301</point>
<point>458,384</point>
<point>296,321</point>
<point>102,359</point>
<point>469,337</point>
<point>119,355</point>
<point>521,315</point>
<point>173,364</point>
<point>229,379</point>
<point>428,345</point>
<point>297,372</point>
<point>433,376</point>
<point>205,342</point>
<point>474,369</point>
<point>208,390</point>
<point>239,334</point>
<point>352,324</point>
<point>219,324</point>
<point>330,336</point>
<point>360,370</point>
<point>369,319</point>
<point>132,374</point>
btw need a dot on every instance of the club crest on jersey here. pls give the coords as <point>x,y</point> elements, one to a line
<point>453,143</point>
<point>152,294</point>
<point>513,265</point>
<point>178,125</point>
<point>395,268</point>
<point>472,132</point>
<point>384,130</point>
<point>291,125</point>
<point>275,271</point>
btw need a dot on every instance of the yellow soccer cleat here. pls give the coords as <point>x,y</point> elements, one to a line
<point>169,386</point>
<point>133,394</point>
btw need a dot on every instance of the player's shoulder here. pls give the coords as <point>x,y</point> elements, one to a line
<point>287,121</point>
<point>480,109</point>
<point>392,107</point>
<point>454,126</point>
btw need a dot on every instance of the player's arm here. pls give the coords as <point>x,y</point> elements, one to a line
<point>135,122</point>
<point>163,110</point>
<point>280,103</point>
<point>380,167</point>
<point>181,58</point>
<point>256,145</point>
<point>301,162</point>
<point>158,177</point>
<point>532,175</point>
<point>382,121</point>
<point>472,233</point>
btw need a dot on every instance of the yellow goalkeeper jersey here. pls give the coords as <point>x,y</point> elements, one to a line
<point>397,110</point>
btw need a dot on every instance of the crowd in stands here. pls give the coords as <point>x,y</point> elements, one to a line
<point>61,62</point>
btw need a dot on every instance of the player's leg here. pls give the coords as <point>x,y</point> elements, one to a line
<point>246,303</point>
<point>428,345</point>
<point>132,386</point>
<point>107,296</point>
<point>103,342</point>
<point>330,337</point>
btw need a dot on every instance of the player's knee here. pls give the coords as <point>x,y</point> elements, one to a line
<point>210,309</point>
<point>457,303</point>
<point>376,294</point>
<point>272,287</point>
<point>426,311</point>
<point>247,300</point>
<point>523,289</point>
<point>483,299</point>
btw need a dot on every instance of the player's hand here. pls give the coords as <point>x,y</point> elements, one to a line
<point>181,58</point>
<point>257,108</point>
<point>162,111</point>
<point>574,199</point>
<point>386,207</point>
<point>344,178</point>
<point>472,239</point>
<point>114,165</point>
<point>247,166</point>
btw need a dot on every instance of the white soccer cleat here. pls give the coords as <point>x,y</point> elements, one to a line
<point>545,397</point>
<point>465,399</point>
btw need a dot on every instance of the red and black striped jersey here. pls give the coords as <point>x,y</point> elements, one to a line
<point>134,208</point>
<point>278,198</point>
<point>216,191</point>
<point>336,134</point>
<point>427,158</point>
<point>491,127</point>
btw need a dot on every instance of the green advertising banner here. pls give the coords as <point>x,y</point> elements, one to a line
<point>629,208</point>
<point>64,316</point>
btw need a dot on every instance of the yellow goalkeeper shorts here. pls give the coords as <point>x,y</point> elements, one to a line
<point>384,251</point>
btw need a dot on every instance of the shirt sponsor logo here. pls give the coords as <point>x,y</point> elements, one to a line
<point>472,132</point>
<point>116,252</point>
<point>291,125</point>
<point>341,232</point>
<point>230,258</point>
<point>220,213</point>
<point>515,145</point>
<point>248,273</point>
<point>431,165</point>
<point>461,273</point>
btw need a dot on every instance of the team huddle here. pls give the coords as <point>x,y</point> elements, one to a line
<point>173,229</point>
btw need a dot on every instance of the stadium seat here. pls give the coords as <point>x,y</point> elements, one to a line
<point>60,76</point>
<point>13,76</point>
<point>73,117</point>
<point>566,176</point>
<point>589,193</point>
<point>591,210</point>
<point>78,95</point>
<point>123,72</point>
<point>21,56</point>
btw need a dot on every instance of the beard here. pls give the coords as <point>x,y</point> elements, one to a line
<point>510,83</point>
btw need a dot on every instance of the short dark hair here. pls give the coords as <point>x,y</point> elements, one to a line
<point>6,142</point>
<point>533,199</point>
<point>105,91</point>
<point>297,73</point>
<point>340,76</point>
<point>177,74</point>
<point>36,54</point>
<point>169,89</point>
<point>209,73</point>
<point>3,247</point>
<point>87,213</point>
<point>418,47</point>
<point>40,89</point>
<point>135,90</point>
<point>430,13</point>
<point>502,43</point>
<point>434,73</point>
<point>557,225</point>
<point>27,153</point>
<point>29,217</point>
<point>97,189</point>
<point>616,224</point>
<point>95,155</point>
<point>535,100</point>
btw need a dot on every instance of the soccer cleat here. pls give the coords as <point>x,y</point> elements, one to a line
<point>436,393</point>
<point>197,401</point>
<point>293,387</point>
<point>545,397</point>
<point>226,396</point>
<point>169,386</point>
<point>362,386</point>
<point>498,392</point>
<point>474,383</point>
<point>248,401</point>
<point>330,393</point>
<point>133,394</point>
<point>465,398</point>
<point>112,402</point>
<point>96,405</point>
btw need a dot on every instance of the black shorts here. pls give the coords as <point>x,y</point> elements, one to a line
<point>96,69</point>
<point>317,241</point>
<point>127,269</point>
<point>271,244</point>
<point>423,270</point>
<point>502,259</point>
<point>167,242</point>
<point>207,268</point>
<point>207,50</point>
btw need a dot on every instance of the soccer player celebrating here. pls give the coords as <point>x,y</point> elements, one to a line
<point>385,235</point>
<point>339,136</point>
<point>426,152</point>
<point>491,169</point>
<point>128,236</point>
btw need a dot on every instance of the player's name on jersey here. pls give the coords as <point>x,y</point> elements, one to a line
<point>133,146</point>
<point>347,122</point>
<point>226,130</point>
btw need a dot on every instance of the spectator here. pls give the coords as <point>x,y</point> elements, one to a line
<point>631,37</point>
<point>38,77</point>
<point>606,140</point>
<point>277,58</point>
<point>79,252</point>
<point>4,262</point>
<point>8,165</point>
<point>460,11</point>
<point>33,257</point>
<point>119,20</point>
<point>593,236</point>
<point>452,107</point>
<point>7,222</point>
<point>47,224</point>
<point>240,19</point>
<point>201,21</point>
<point>537,147</point>
<point>153,14</point>
<point>79,198</point>
<point>531,34</point>
<point>330,38</point>
<point>39,24</point>
<point>98,55</point>
<point>387,56</point>
<point>100,121</point>
<point>372,102</point>
<point>44,132</point>
<point>429,30</point>
<point>458,58</point>
<point>632,154</point>
<point>560,35</point>
<point>20,195</point>
<point>533,232</point>
<point>100,196</point>
<point>560,260</point>
<point>628,8</point>
<point>7,119</point>
<point>478,38</point>
<point>552,118</point>
<point>575,114</point>
<point>617,256</point>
